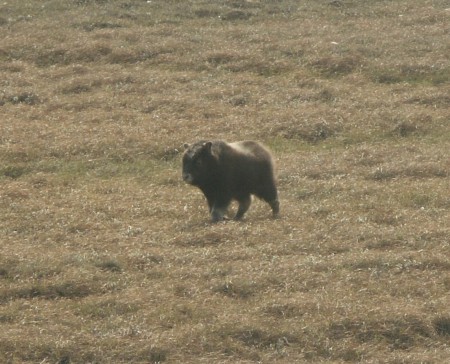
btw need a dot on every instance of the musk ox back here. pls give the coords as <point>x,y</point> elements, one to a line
<point>226,171</point>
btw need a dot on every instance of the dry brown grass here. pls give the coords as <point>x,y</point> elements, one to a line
<point>107,257</point>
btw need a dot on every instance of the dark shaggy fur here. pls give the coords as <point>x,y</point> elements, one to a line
<point>226,171</point>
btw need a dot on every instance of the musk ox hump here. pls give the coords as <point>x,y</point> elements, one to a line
<point>253,149</point>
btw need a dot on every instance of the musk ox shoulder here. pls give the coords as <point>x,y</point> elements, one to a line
<point>231,171</point>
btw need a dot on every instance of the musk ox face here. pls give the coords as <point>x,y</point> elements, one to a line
<point>196,162</point>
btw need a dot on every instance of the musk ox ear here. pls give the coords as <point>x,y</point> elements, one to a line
<point>186,146</point>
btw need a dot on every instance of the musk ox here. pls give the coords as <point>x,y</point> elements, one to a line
<point>231,171</point>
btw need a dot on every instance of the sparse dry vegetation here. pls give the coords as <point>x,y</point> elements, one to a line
<point>107,257</point>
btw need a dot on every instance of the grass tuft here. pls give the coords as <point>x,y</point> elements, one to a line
<point>413,74</point>
<point>13,171</point>
<point>68,290</point>
<point>239,290</point>
<point>442,325</point>
<point>405,129</point>
<point>109,265</point>
<point>399,334</point>
<point>236,15</point>
<point>334,66</point>
<point>157,355</point>
<point>313,133</point>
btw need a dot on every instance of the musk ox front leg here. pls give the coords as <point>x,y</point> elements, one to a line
<point>219,209</point>
<point>217,214</point>
<point>210,199</point>
<point>217,204</point>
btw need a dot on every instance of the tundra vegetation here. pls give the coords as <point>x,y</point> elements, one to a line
<point>106,256</point>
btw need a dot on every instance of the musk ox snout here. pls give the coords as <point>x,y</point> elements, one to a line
<point>187,177</point>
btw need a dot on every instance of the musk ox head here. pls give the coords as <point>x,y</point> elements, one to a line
<point>197,161</point>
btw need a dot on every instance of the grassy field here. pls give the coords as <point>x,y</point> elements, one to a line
<point>106,255</point>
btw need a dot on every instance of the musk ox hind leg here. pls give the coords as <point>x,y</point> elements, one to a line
<point>275,205</point>
<point>270,195</point>
<point>244,204</point>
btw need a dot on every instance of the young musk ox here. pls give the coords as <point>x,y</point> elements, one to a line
<point>226,171</point>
